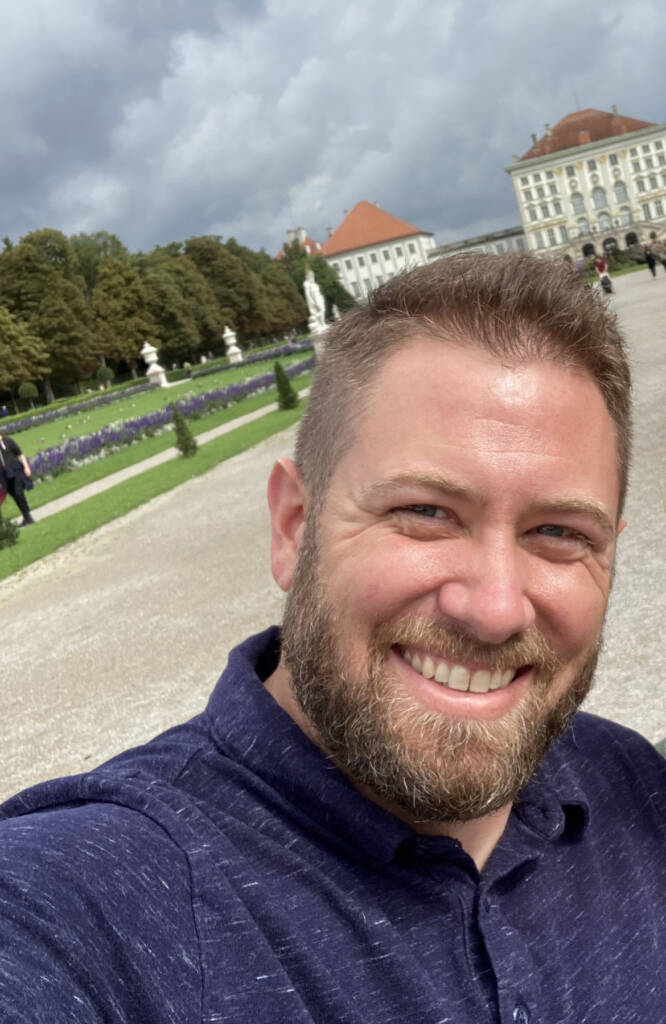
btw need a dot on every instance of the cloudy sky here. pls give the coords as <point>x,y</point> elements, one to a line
<point>162,119</point>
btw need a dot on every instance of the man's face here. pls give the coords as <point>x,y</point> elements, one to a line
<point>446,609</point>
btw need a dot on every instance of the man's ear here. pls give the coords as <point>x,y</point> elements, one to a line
<point>287,500</point>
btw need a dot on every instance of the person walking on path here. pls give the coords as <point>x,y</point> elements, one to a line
<point>15,476</point>
<point>651,260</point>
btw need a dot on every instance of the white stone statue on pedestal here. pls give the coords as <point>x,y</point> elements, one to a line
<point>155,373</point>
<point>335,312</point>
<point>317,310</point>
<point>234,354</point>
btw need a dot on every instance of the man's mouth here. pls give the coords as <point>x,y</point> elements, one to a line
<point>455,676</point>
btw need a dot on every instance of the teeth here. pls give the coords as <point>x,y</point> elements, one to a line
<point>457,677</point>
<point>480,682</point>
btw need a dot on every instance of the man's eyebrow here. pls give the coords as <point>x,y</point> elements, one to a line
<point>578,506</point>
<point>445,485</point>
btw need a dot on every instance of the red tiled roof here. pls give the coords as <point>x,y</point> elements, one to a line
<point>581,127</point>
<point>367,225</point>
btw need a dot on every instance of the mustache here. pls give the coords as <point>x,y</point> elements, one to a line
<point>454,644</point>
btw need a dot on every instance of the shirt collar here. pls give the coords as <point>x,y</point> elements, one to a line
<point>248,724</point>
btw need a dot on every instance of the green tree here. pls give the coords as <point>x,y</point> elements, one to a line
<point>27,392</point>
<point>240,297</point>
<point>23,357</point>
<point>287,394</point>
<point>284,303</point>
<point>39,287</point>
<point>90,252</point>
<point>297,261</point>
<point>123,321</point>
<point>185,442</point>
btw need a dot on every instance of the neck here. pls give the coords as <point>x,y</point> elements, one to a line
<point>478,837</point>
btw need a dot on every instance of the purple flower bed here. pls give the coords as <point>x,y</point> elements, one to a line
<point>53,461</point>
<point>105,398</point>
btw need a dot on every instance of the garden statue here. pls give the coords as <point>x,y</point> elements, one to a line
<point>316,308</point>
<point>234,354</point>
<point>155,373</point>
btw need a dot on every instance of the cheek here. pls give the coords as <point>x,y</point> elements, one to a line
<point>571,605</point>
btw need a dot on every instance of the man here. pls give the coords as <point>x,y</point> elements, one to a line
<point>392,811</point>
<point>15,472</point>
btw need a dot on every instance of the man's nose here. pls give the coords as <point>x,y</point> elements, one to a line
<point>488,595</point>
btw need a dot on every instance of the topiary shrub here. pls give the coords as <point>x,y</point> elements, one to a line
<point>27,392</point>
<point>287,395</point>
<point>104,375</point>
<point>185,442</point>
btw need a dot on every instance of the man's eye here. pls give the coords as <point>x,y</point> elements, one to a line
<point>562,533</point>
<point>428,511</point>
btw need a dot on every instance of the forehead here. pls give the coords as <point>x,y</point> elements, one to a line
<point>438,406</point>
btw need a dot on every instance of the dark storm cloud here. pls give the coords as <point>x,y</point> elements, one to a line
<point>159,120</point>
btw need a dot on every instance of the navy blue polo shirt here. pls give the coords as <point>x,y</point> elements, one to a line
<point>226,872</point>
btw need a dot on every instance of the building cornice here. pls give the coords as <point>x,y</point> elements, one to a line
<point>587,149</point>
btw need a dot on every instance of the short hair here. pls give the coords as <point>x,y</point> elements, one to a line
<point>519,307</point>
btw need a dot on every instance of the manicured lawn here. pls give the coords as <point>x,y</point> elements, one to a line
<point>71,480</point>
<point>67,526</point>
<point>47,435</point>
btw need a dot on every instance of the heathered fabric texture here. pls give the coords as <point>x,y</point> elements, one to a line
<point>226,872</point>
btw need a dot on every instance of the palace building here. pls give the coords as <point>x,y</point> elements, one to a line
<point>594,180</point>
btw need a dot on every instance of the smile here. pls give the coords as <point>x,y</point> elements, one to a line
<point>458,677</point>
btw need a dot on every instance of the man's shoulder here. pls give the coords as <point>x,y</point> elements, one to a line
<point>613,767</point>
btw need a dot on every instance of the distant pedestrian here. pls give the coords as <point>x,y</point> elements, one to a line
<point>15,476</point>
<point>651,260</point>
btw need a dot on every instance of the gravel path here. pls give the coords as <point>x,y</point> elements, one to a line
<point>124,632</point>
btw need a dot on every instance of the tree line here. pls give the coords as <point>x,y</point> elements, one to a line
<point>71,305</point>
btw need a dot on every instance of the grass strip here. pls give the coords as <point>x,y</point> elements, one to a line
<point>48,490</point>
<point>70,524</point>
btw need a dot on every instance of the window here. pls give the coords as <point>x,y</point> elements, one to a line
<point>605,222</point>
<point>553,189</point>
<point>653,181</point>
<point>663,178</point>
<point>552,239</point>
<point>520,244</point>
<point>355,289</point>
<point>398,250</point>
<point>336,267</point>
<point>599,197</point>
<point>620,190</point>
<point>537,177</point>
<point>361,261</point>
<point>545,212</point>
<point>571,170</point>
<point>646,147</point>
<point>640,185</point>
<point>557,208</point>
<point>591,165</point>
<point>625,215</point>
<point>379,278</point>
<point>636,166</point>
<point>499,247</point>
<point>549,174</point>
<point>373,257</point>
<point>633,152</point>
<point>540,191</point>
<point>524,181</point>
<point>613,159</point>
<point>367,287</point>
<point>386,254</point>
<point>348,264</point>
<point>578,203</point>
<point>539,239</point>
<point>532,213</point>
<point>658,145</point>
<point>646,211</point>
<point>527,195</point>
<point>564,234</point>
<point>659,208</point>
<point>412,248</point>
<point>583,227</point>
<point>648,161</point>
<point>661,158</point>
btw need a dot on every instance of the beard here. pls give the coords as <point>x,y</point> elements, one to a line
<point>436,769</point>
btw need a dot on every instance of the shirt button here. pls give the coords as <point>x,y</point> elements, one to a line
<point>521,1016</point>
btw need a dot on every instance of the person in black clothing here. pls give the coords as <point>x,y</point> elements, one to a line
<point>651,260</point>
<point>14,474</point>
